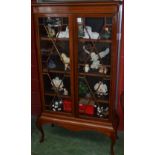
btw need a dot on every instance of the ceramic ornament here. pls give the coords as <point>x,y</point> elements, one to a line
<point>104,53</point>
<point>63,34</point>
<point>51,64</point>
<point>88,32</point>
<point>103,69</point>
<point>65,92</point>
<point>58,83</point>
<point>65,60</point>
<point>101,89</point>
<point>102,111</point>
<point>86,68</point>
<point>51,32</point>
<point>106,34</point>
<point>57,105</point>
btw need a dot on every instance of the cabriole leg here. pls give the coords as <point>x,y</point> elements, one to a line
<point>112,145</point>
<point>39,126</point>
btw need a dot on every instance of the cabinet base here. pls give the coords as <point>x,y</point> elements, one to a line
<point>78,124</point>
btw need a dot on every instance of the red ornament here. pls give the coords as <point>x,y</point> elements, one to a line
<point>67,106</point>
<point>86,109</point>
<point>89,109</point>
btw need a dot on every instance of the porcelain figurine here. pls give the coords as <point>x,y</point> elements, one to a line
<point>103,69</point>
<point>104,53</point>
<point>95,57</point>
<point>102,111</point>
<point>89,34</point>
<point>63,34</point>
<point>51,31</point>
<point>86,68</point>
<point>57,83</point>
<point>51,64</point>
<point>95,64</point>
<point>57,105</point>
<point>65,92</point>
<point>106,34</point>
<point>65,60</point>
<point>101,89</point>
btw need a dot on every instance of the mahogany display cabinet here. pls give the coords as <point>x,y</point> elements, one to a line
<point>77,48</point>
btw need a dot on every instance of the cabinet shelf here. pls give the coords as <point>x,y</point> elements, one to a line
<point>95,75</point>
<point>57,112</point>
<point>45,71</point>
<point>54,39</point>
<point>97,100</point>
<point>84,65</point>
<point>95,40</point>
<point>53,94</point>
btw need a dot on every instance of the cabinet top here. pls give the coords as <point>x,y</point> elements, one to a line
<point>76,1</point>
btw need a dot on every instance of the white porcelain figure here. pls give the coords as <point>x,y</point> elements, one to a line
<point>65,60</point>
<point>101,89</point>
<point>95,64</point>
<point>65,91</point>
<point>63,34</point>
<point>86,68</point>
<point>104,53</point>
<point>95,58</point>
<point>88,33</point>
<point>56,82</point>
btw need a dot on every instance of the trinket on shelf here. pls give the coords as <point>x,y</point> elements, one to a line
<point>101,89</point>
<point>63,34</point>
<point>106,33</point>
<point>86,68</point>
<point>51,31</point>
<point>57,84</point>
<point>57,105</point>
<point>51,64</point>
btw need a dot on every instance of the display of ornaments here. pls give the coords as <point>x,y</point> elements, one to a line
<point>95,57</point>
<point>102,111</point>
<point>101,89</point>
<point>57,105</point>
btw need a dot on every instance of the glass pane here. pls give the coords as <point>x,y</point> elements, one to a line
<point>55,56</point>
<point>94,65</point>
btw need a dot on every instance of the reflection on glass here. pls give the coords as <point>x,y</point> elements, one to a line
<point>94,52</point>
<point>54,44</point>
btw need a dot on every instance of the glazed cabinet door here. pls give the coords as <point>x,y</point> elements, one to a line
<point>95,37</point>
<point>54,33</point>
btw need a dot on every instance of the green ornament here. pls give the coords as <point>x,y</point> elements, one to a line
<point>83,89</point>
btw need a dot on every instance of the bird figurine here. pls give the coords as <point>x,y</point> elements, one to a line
<point>65,60</point>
